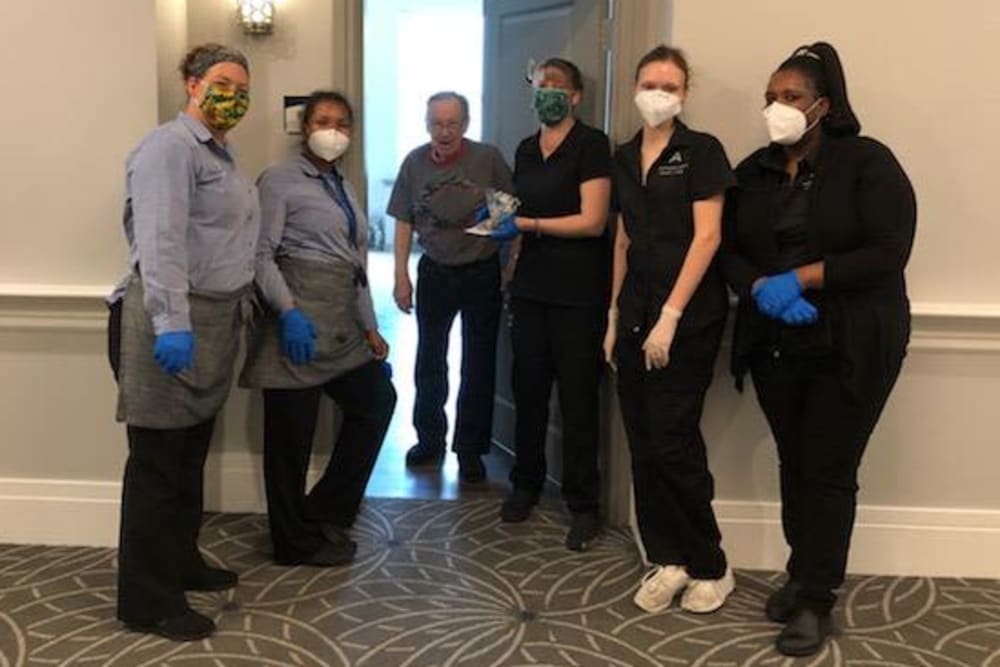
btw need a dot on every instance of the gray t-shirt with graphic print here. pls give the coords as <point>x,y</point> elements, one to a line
<point>440,200</point>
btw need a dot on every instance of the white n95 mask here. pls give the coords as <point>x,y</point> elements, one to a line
<point>328,144</point>
<point>786,125</point>
<point>657,106</point>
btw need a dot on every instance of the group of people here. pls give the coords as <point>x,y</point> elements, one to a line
<point>811,233</point>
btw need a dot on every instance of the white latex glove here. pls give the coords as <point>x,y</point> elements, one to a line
<point>610,336</point>
<point>657,346</point>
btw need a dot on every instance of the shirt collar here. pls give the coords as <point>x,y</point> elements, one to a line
<point>203,135</point>
<point>310,169</point>
<point>774,157</point>
<point>632,150</point>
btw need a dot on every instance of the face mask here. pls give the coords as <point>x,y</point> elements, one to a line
<point>222,108</point>
<point>657,106</point>
<point>328,144</point>
<point>551,105</point>
<point>786,125</point>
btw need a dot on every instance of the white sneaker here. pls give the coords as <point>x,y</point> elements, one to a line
<point>659,587</point>
<point>703,596</point>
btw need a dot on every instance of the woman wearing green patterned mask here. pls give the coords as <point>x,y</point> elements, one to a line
<point>559,298</point>
<point>219,98</point>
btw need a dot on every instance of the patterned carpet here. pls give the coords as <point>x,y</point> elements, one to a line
<point>443,583</point>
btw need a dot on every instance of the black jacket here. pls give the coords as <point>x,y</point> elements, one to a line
<point>861,221</point>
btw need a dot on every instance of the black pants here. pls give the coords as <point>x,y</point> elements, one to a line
<point>662,411</point>
<point>442,292</point>
<point>560,344</point>
<point>366,399</point>
<point>821,428</point>
<point>160,519</point>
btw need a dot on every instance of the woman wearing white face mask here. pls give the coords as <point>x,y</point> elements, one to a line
<point>818,233</point>
<point>318,336</point>
<point>664,330</point>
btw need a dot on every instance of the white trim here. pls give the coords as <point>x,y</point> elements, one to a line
<point>912,541</point>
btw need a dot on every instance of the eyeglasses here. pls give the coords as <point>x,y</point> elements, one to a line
<point>450,126</point>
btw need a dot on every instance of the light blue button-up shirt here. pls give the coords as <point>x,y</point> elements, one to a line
<point>300,219</point>
<point>191,219</point>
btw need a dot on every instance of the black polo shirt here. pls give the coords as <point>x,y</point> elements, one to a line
<point>659,220</point>
<point>551,269</point>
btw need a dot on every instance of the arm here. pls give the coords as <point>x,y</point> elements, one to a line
<point>707,237</point>
<point>403,290</point>
<point>619,264</point>
<point>272,227</point>
<point>589,222</point>
<point>161,179</point>
<point>740,272</point>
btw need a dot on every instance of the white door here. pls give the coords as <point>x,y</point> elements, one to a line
<point>516,33</point>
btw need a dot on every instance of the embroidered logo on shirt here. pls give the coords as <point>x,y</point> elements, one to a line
<point>675,165</point>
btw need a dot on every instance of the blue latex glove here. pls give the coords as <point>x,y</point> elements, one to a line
<point>482,213</point>
<point>506,230</point>
<point>298,337</point>
<point>800,313</point>
<point>174,351</point>
<point>777,293</point>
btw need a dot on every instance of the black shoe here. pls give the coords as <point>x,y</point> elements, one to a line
<point>780,605</point>
<point>517,506</point>
<point>805,633</point>
<point>212,579</point>
<point>338,536</point>
<point>188,627</point>
<point>583,528</point>
<point>471,469</point>
<point>420,455</point>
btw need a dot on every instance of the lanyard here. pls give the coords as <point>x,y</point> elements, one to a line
<point>334,186</point>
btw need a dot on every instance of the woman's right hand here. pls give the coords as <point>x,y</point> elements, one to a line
<point>402,293</point>
<point>298,337</point>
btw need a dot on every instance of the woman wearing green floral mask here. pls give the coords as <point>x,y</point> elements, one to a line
<point>191,222</point>
<point>559,297</point>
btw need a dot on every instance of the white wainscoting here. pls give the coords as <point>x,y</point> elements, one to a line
<point>930,504</point>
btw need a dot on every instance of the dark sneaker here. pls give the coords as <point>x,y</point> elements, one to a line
<point>471,469</point>
<point>805,633</point>
<point>188,627</point>
<point>331,555</point>
<point>212,579</point>
<point>338,536</point>
<point>780,604</point>
<point>583,529</point>
<point>420,455</point>
<point>517,506</point>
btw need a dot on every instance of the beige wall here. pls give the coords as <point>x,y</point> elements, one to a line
<point>921,77</point>
<point>79,91</point>
<point>171,45</point>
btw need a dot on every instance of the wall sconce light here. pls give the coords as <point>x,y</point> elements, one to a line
<point>256,16</point>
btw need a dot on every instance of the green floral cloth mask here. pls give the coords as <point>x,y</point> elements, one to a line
<point>551,105</point>
<point>223,108</point>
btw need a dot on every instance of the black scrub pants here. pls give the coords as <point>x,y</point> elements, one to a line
<point>558,344</point>
<point>162,500</point>
<point>444,291</point>
<point>821,426</point>
<point>366,399</point>
<point>673,487</point>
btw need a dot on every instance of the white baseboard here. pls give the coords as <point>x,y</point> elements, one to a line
<point>887,540</point>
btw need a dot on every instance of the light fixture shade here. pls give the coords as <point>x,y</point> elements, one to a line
<point>256,16</point>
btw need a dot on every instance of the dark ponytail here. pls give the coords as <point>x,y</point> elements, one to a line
<point>820,64</point>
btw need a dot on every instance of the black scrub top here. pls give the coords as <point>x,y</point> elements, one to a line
<point>659,221</point>
<point>551,269</point>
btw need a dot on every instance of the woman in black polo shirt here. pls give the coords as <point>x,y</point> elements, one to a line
<point>818,233</point>
<point>664,331</point>
<point>559,297</point>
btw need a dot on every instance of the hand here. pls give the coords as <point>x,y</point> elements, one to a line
<point>610,338</point>
<point>506,229</point>
<point>800,313</point>
<point>298,336</point>
<point>377,344</point>
<point>402,294</point>
<point>174,351</point>
<point>482,213</point>
<point>776,293</point>
<point>656,349</point>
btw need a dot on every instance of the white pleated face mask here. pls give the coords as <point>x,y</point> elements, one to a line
<point>786,125</point>
<point>328,144</point>
<point>657,106</point>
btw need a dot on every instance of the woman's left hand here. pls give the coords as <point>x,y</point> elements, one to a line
<point>377,344</point>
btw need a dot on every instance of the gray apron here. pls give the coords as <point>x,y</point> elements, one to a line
<point>150,398</point>
<point>328,294</point>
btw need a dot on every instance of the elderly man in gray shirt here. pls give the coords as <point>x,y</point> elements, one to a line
<point>440,186</point>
